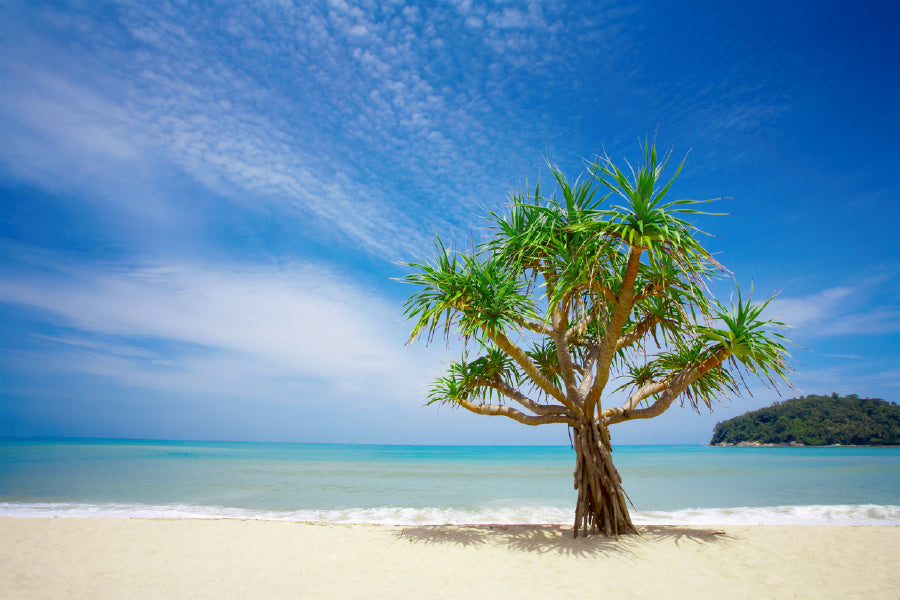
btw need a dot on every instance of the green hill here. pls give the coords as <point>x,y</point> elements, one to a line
<point>815,421</point>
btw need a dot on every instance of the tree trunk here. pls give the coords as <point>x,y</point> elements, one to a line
<point>601,505</point>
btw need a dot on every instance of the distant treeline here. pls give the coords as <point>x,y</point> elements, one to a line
<point>816,421</point>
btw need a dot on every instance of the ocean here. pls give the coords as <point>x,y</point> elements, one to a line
<point>348,483</point>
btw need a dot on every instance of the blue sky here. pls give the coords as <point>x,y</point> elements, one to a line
<point>202,204</point>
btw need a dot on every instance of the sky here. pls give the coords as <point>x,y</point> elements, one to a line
<point>204,206</point>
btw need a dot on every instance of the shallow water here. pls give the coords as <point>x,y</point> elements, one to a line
<point>441,484</point>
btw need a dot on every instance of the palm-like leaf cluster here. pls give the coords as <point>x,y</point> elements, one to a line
<point>467,380</point>
<point>473,292</point>
<point>645,220</point>
<point>711,385</point>
<point>753,343</point>
<point>588,285</point>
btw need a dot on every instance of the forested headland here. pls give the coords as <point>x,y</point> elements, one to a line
<point>815,421</point>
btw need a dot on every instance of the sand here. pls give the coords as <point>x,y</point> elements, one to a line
<point>152,558</point>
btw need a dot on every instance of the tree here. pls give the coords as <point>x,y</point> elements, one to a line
<point>570,293</point>
<point>815,420</point>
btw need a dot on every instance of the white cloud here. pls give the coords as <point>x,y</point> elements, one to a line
<point>841,310</point>
<point>799,312</point>
<point>378,143</point>
<point>80,342</point>
<point>180,326</point>
<point>508,18</point>
<point>358,30</point>
<point>178,104</point>
<point>474,22</point>
<point>51,122</point>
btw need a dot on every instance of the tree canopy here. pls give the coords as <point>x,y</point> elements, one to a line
<point>815,421</point>
<point>600,286</point>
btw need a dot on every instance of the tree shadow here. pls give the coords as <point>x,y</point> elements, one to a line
<point>555,539</point>
<point>453,535</point>
<point>678,534</point>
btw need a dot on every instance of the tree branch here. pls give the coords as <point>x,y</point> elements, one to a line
<point>559,318</point>
<point>506,411</point>
<point>649,290</point>
<point>645,391</point>
<point>579,328</point>
<point>514,394</point>
<point>566,367</point>
<point>624,303</point>
<point>534,326</point>
<point>672,388</point>
<point>605,292</point>
<point>637,332</point>
<point>587,370</point>
<point>530,369</point>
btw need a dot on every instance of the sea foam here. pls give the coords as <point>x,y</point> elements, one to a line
<point>865,514</point>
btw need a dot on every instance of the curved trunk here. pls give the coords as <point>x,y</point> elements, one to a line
<point>601,505</point>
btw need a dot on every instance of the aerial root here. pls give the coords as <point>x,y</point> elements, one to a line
<point>601,503</point>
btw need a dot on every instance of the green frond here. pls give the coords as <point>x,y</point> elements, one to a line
<point>543,354</point>
<point>450,388</point>
<point>754,343</point>
<point>533,234</point>
<point>444,289</point>
<point>468,379</point>
<point>644,221</point>
<point>709,387</point>
<point>468,292</point>
<point>638,374</point>
<point>495,365</point>
<point>563,250</point>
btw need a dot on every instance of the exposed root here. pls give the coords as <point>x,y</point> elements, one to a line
<point>601,505</point>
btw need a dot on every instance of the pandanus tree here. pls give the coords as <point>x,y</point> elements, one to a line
<point>598,290</point>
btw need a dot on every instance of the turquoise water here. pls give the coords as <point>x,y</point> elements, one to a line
<point>363,483</point>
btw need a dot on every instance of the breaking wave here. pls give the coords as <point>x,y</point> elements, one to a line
<point>856,514</point>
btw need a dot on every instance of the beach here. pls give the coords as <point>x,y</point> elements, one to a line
<point>154,519</point>
<point>229,558</point>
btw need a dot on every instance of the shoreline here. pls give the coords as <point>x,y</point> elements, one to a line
<point>215,558</point>
<point>751,444</point>
<point>831,515</point>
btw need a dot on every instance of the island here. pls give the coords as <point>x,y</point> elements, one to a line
<point>814,421</point>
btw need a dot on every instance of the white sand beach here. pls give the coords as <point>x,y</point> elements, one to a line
<point>193,558</point>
